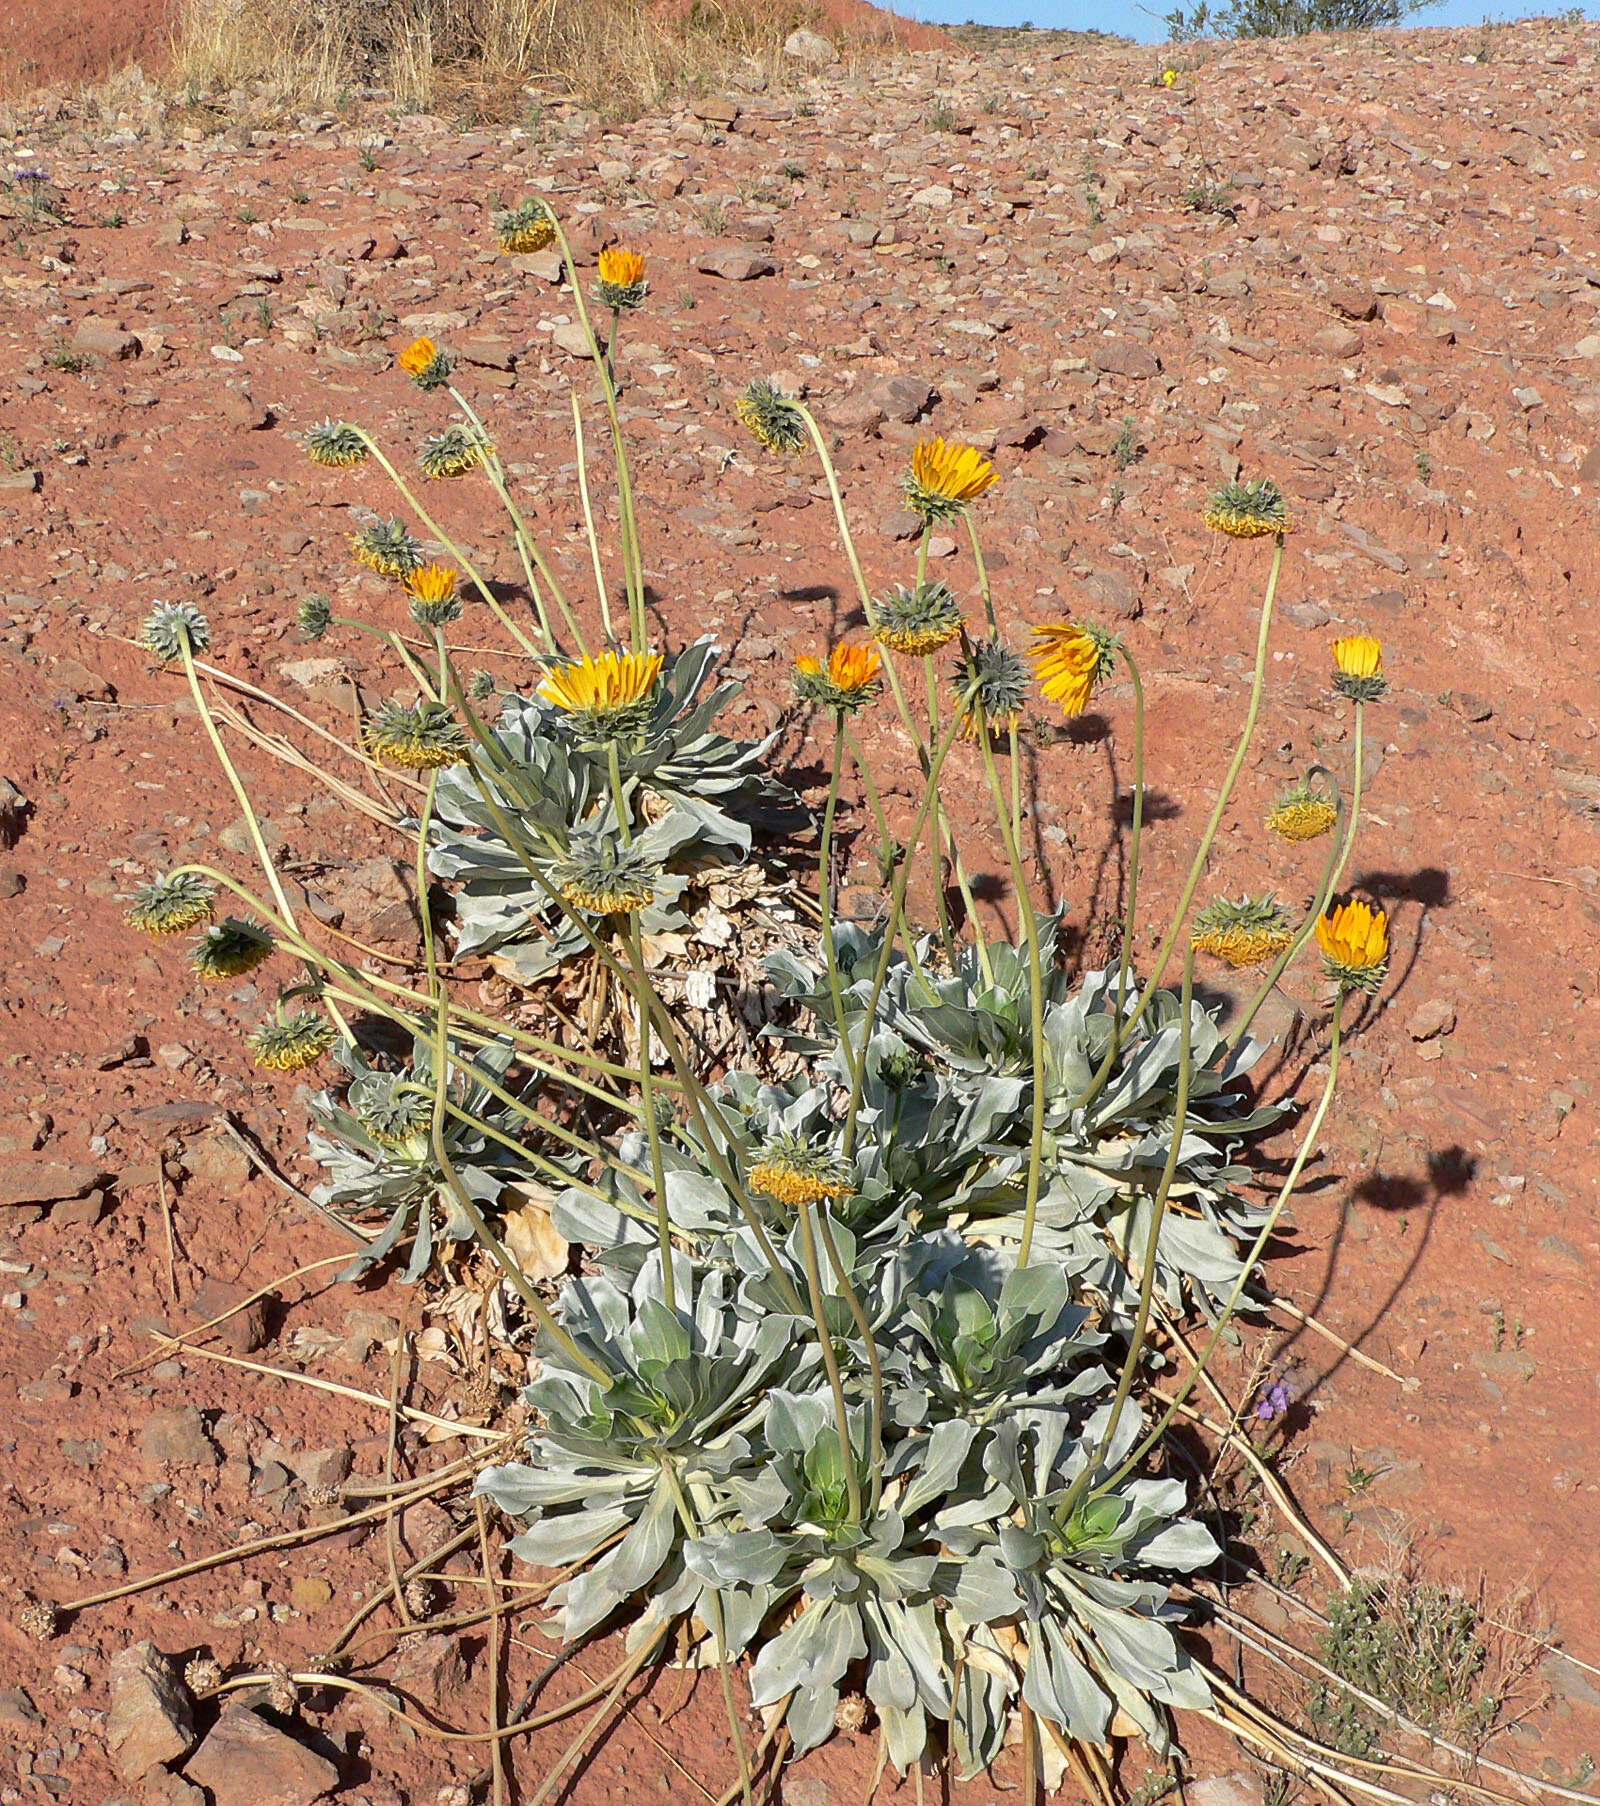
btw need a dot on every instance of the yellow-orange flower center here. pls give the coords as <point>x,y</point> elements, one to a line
<point>418,356</point>
<point>622,269</point>
<point>1354,935</point>
<point>956,472</point>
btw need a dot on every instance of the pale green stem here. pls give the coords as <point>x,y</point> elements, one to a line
<point>652,1126</point>
<point>695,1094</point>
<point>885,840</point>
<point>1029,924</point>
<point>1129,912</point>
<point>825,897</point>
<point>441,1153</point>
<point>537,1307</point>
<point>474,576</point>
<point>588,522</point>
<point>632,562</point>
<point>241,795</point>
<point>831,476</point>
<point>489,457</point>
<point>857,1310</point>
<point>1196,871</point>
<point>1355,800</point>
<point>1343,839</point>
<point>527,544</point>
<point>362,988</point>
<point>1251,1261</point>
<point>890,932</point>
<point>1147,1279</point>
<point>983,572</point>
<point>830,1361</point>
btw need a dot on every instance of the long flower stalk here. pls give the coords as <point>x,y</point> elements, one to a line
<point>1251,1261</point>
<point>1203,852</point>
<point>1029,923</point>
<point>1147,1278</point>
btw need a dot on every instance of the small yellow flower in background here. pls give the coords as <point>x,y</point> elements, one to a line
<point>293,1043</point>
<point>848,680</point>
<point>991,684</point>
<point>1069,660</point>
<point>388,548</point>
<point>622,282</point>
<point>945,477</point>
<point>916,621</point>
<point>529,227</point>
<point>1303,812</point>
<point>432,590</point>
<point>794,1171</point>
<point>426,364</point>
<point>1246,933</point>
<point>606,694</point>
<point>773,417</point>
<point>1247,510</point>
<point>454,452</point>
<point>170,904</point>
<point>1358,668</point>
<point>422,736</point>
<point>1354,938</point>
<point>1169,78</point>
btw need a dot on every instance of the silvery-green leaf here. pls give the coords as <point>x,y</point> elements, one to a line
<point>812,1653</point>
<point>985,1591</point>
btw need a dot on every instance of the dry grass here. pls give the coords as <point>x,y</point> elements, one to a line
<point>621,56</point>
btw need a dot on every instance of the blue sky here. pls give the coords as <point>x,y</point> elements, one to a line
<point>1144,23</point>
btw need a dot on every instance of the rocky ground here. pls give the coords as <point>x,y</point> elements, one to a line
<point>1367,268</point>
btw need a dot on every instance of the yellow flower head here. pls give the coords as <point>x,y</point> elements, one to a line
<point>622,282</point>
<point>525,228</point>
<point>1303,812</point>
<point>773,417</point>
<point>1246,933</point>
<point>1069,660</point>
<point>1247,510</point>
<point>945,477</point>
<point>624,268</point>
<point>1169,78</point>
<point>916,621</point>
<point>849,679</point>
<point>606,694</point>
<point>1354,938</point>
<point>292,1043</point>
<point>1358,668</point>
<point>795,1171</point>
<point>432,590</point>
<point>422,736</point>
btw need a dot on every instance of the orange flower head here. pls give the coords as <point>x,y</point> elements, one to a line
<point>849,679</point>
<point>1354,938</point>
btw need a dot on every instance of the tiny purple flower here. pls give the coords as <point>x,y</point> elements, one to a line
<point>32,173</point>
<point>1274,1401</point>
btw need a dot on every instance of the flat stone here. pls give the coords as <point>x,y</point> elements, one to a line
<point>1238,1789</point>
<point>1435,1017</point>
<point>99,338</point>
<point>151,1720</point>
<point>734,265</point>
<point>248,1761</point>
<point>25,1181</point>
<point>1125,357</point>
<point>179,1437</point>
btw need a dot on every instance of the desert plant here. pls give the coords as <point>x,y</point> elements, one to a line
<point>852,1374</point>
